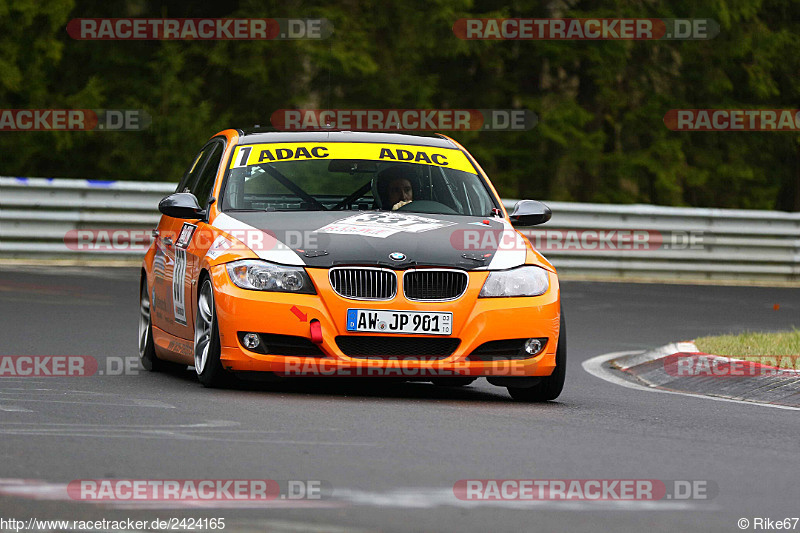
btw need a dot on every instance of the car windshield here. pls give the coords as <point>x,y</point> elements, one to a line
<point>351,184</point>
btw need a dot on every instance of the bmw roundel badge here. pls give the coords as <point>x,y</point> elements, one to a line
<point>397,256</point>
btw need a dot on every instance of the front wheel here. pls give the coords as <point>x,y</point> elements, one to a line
<point>147,350</point>
<point>206,341</point>
<point>549,388</point>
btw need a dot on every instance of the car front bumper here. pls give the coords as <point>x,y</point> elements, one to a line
<point>475,321</point>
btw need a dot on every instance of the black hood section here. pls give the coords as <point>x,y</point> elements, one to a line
<point>458,241</point>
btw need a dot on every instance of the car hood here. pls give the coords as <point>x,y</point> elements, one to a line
<point>396,240</point>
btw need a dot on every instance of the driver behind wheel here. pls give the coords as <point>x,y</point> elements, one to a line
<point>400,193</point>
<point>395,186</point>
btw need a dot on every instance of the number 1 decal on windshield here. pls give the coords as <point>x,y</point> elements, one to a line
<point>242,156</point>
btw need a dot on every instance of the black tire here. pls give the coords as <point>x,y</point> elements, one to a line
<point>147,350</point>
<point>550,387</point>
<point>206,340</point>
<point>452,382</point>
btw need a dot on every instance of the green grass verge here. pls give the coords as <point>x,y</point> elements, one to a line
<point>752,344</point>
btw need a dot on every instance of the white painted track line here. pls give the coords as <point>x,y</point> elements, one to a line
<point>14,409</point>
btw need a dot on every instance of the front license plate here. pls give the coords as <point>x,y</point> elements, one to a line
<point>385,321</point>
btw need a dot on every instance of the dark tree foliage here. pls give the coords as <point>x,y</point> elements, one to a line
<point>600,137</point>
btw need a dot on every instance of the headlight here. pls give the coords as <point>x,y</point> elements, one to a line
<point>522,281</point>
<point>262,276</point>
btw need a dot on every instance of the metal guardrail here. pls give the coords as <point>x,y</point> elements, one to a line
<point>37,213</point>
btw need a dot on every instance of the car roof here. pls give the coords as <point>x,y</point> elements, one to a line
<point>256,137</point>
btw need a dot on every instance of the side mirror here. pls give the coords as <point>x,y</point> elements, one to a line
<point>530,213</point>
<point>181,205</point>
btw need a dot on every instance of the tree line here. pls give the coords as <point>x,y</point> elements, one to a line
<point>600,135</point>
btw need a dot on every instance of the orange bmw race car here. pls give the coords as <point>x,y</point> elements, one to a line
<point>349,254</point>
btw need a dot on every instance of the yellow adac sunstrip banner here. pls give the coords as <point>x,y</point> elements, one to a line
<point>256,154</point>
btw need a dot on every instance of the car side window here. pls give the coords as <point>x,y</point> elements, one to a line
<point>191,173</point>
<point>204,184</point>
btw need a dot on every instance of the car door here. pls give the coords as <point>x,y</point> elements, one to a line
<point>173,289</point>
<point>193,242</point>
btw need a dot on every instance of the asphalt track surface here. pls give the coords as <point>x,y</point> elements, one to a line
<point>392,451</point>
